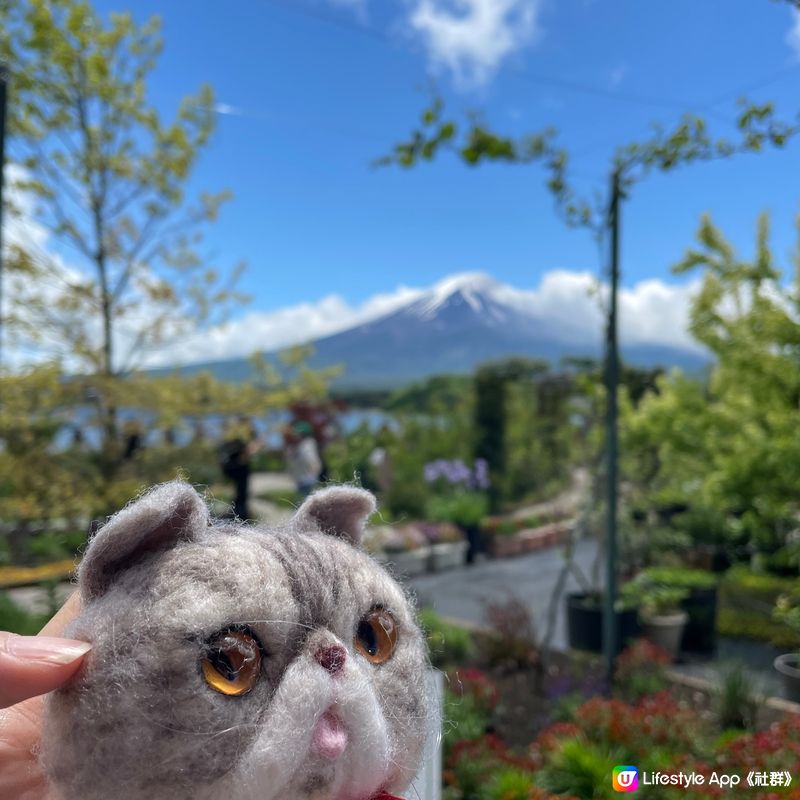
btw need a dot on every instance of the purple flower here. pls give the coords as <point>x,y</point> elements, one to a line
<point>481,475</point>
<point>457,473</point>
<point>431,471</point>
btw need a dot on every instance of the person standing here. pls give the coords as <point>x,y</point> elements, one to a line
<point>302,457</point>
<point>235,454</point>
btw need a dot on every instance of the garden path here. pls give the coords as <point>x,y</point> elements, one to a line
<point>568,502</point>
<point>461,593</point>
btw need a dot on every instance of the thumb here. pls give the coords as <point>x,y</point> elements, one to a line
<point>34,665</point>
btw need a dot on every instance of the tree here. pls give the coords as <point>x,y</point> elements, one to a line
<point>106,178</point>
<point>111,270</point>
<point>730,445</point>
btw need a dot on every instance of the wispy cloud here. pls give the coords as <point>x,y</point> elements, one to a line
<point>228,110</point>
<point>565,302</point>
<point>273,330</point>
<point>472,38</point>
<point>793,37</point>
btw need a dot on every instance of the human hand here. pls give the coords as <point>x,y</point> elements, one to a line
<point>31,666</point>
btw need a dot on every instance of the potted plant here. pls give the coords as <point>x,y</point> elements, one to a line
<point>700,603</point>
<point>585,622</point>
<point>787,611</point>
<point>459,498</point>
<point>660,613</point>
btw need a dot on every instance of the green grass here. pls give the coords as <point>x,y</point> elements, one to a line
<point>283,498</point>
<point>16,620</point>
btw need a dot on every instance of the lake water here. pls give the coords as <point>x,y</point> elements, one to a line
<point>268,426</point>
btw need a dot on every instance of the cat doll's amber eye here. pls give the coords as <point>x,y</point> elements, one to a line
<point>376,636</point>
<point>232,663</point>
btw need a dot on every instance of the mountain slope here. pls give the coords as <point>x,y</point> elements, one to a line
<point>455,325</point>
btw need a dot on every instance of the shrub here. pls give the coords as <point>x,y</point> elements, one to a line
<point>736,698</point>
<point>511,638</point>
<point>465,719</point>
<point>746,603</point>
<point>507,527</point>
<point>775,749</point>
<point>650,597</point>
<point>50,546</point>
<point>466,509</point>
<point>448,644</point>
<point>641,670</point>
<point>756,625</point>
<point>657,723</point>
<point>471,764</point>
<point>682,577</point>
<point>511,783</point>
<point>474,683</point>
<point>579,768</point>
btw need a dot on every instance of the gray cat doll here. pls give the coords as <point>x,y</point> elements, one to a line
<point>238,663</point>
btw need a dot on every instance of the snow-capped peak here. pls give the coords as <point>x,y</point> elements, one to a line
<point>474,288</point>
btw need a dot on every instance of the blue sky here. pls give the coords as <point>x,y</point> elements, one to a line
<point>319,88</point>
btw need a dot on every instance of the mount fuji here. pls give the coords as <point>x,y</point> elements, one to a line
<point>460,322</point>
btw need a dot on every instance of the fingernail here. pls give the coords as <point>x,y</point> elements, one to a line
<point>46,648</point>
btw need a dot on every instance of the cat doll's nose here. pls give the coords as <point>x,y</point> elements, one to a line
<point>331,657</point>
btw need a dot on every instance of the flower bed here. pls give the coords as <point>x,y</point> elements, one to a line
<point>515,736</point>
<point>527,540</point>
<point>413,548</point>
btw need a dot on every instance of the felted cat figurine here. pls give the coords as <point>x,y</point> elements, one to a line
<point>234,662</point>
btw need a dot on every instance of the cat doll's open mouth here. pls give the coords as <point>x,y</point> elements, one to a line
<point>330,737</point>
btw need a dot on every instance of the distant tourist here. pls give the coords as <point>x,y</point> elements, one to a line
<point>302,456</point>
<point>131,439</point>
<point>239,445</point>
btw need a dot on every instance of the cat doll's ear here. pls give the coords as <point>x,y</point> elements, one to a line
<point>166,515</point>
<point>340,510</point>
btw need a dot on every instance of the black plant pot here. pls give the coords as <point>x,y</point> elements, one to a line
<point>585,624</point>
<point>700,634</point>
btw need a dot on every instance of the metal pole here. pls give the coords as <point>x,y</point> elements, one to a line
<point>3,100</point>
<point>610,631</point>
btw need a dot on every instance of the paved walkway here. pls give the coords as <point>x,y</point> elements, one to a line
<point>461,593</point>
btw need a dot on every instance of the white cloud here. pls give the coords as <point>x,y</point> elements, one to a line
<point>471,38</point>
<point>272,330</point>
<point>793,37</point>
<point>650,312</point>
<point>566,303</point>
<point>228,110</point>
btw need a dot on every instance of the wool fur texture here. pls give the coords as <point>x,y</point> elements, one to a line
<point>325,715</point>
